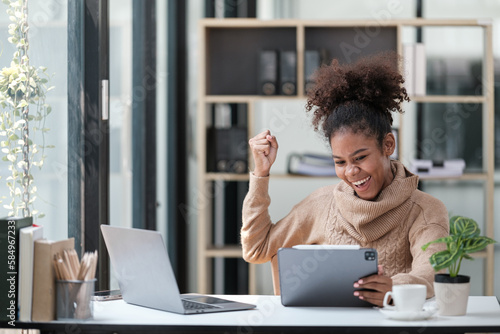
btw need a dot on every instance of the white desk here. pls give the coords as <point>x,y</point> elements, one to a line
<point>483,315</point>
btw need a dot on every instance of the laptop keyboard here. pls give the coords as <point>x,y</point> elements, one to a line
<point>189,305</point>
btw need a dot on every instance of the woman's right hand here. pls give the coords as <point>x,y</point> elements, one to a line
<point>264,149</point>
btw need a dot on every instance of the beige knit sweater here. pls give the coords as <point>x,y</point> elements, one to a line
<point>397,223</point>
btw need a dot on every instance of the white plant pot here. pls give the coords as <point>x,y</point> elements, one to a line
<point>451,298</point>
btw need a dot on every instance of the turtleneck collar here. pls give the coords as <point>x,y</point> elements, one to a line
<point>367,221</point>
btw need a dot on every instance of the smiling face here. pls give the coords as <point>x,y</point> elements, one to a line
<point>362,163</point>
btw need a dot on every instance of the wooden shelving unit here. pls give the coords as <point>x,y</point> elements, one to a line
<point>228,74</point>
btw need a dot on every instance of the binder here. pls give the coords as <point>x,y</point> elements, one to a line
<point>268,72</point>
<point>312,62</point>
<point>227,146</point>
<point>288,73</point>
<point>227,150</point>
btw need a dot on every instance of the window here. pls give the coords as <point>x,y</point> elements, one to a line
<point>47,48</point>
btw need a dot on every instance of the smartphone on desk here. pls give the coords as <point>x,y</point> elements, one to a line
<point>107,295</point>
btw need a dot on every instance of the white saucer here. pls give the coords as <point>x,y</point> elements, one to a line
<point>409,315</point>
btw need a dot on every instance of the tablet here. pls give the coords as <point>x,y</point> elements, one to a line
<point>317,275</point>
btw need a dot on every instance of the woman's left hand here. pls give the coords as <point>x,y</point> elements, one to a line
<point>378,284</point>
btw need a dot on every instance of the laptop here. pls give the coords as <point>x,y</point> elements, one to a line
<point>145,276</point>
<point>322,275</point>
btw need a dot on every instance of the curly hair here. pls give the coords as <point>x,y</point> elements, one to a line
<point>359,96</point>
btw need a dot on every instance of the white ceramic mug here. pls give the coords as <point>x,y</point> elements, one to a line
<point>406,297</point>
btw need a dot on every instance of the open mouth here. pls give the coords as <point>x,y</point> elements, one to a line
<point>362,182</point>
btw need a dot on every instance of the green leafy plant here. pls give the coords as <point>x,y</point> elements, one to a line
<point>22,115</point>
<point>463,240</point>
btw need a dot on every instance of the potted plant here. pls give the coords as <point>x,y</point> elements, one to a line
<point>452,289</point>
<point>23,112</point>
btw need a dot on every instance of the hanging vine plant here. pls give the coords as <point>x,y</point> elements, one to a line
<point>22,116</point>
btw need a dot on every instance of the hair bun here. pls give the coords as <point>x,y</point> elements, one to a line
<point>373,80</point>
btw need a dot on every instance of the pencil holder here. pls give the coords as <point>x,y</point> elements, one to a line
<point>74,299</point>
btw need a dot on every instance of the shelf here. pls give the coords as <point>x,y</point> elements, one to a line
<point>226,251</point>
<point>232,64</point>
<point>464,177</point>
<point>421,22</point>
<point>418,22</point>
<point>448,99</point>
<point>297,176</point>
<point>246,23</point>
<point>335,40</point>
<point>248,98</point>
<point>245,177</point>
<point>419,99</point>
<point>229,72</point>
<point>226,177</point>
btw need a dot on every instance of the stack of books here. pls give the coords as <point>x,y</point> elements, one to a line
<point>311,164</point>
<point>433,168</point>
<point>27,283</point>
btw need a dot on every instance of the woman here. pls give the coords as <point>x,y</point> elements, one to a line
<point>377,204</point>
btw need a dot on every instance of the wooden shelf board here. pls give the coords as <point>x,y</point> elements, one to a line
<point>246,23</point>
<point>403,22</point>
<point>296,176</point>
<point>249,22</point>
<point>421,22</point>
<point>226,177</point>
<point>419,99</point>
<point>464,177</point>
<point>248,98</point>
<point>448,99</point>
<point>225,251</point>
<point>245,177</point>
